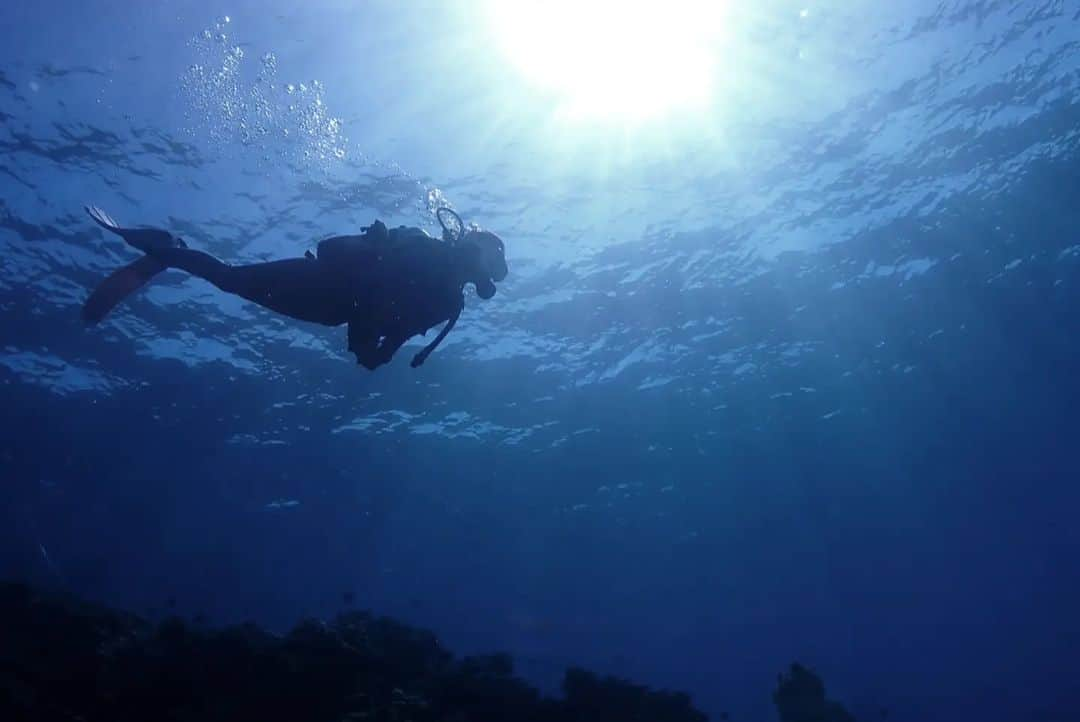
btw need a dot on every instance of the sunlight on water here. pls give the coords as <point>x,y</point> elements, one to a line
<point>614,60</point>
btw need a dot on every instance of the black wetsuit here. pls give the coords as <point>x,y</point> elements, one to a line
<point>388,285</point>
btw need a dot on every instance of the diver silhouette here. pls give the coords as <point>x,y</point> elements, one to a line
<point>386,284</point>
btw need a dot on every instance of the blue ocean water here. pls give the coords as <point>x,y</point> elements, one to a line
<point>791,377</point>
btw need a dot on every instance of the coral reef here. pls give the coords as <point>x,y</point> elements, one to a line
<point>800,697</point>
<point>63,660</point>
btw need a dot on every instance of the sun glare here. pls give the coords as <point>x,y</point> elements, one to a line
<point>613,60</point>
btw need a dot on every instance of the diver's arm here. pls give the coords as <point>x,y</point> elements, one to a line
<point>419,358</point>
<point>370,353</point>
<point>364,342</point>
<point>389,346</point>
<point>372,356</point>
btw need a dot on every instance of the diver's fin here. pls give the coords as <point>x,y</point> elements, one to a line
<point>103,219</point>
<point>146,240</point>
<point>118,285</point>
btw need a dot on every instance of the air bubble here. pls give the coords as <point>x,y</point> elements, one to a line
<point>288,121</point>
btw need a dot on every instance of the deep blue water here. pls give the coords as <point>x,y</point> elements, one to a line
<point>794,377</point>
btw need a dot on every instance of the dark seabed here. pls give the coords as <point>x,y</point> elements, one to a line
<point>785,369</point>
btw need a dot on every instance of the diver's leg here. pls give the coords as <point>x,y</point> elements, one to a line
<point>296,287</point>
<point>200,264</point>
<point>171,251</point>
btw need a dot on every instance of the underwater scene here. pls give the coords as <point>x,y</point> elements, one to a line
<point>558,361</point>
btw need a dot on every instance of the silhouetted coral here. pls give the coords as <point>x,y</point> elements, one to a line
<point>591,698</point>
<point>800,697</point>
<point>63,660</point>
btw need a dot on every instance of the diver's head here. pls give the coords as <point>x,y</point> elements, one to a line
<point>484,260</point>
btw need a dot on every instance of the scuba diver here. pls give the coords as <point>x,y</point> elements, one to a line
<point>386,284</point>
